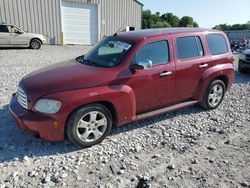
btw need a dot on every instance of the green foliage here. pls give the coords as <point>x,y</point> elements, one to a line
<point>157,20</point>
<point>173,20</point>
<point>186,21</point>
<point>195,24</point>
<point>225,27</point>
<point>161,24</point>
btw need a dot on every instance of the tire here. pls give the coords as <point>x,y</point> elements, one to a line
<point>82,126</point>
<point>240,69</point>
<point>214,95</point>
<point>35,44</point>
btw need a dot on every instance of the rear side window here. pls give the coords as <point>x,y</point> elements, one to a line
<point>189,47</point>
<point>217,44</point>
<point>157,52</point>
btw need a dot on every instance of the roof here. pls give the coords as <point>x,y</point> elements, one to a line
<point>139,2</point>
<point>147,33</point>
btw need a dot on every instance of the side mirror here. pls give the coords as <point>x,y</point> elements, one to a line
<point>19,32</point>
<point>144,64</point>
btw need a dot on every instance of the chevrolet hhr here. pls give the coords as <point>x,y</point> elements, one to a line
<point>126,77</point>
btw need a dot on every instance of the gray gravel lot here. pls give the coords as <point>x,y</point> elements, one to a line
<point>187,148</point>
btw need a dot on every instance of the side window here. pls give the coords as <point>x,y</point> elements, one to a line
<point>217,44</point>
<point>189,47</point>
<point>12,29</point>
<point>4,29</point>
<point>157,52</point>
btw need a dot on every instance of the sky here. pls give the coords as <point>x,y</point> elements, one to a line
<point>207,13</point>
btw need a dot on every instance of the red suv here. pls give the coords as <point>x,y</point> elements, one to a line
<point>124,78</point>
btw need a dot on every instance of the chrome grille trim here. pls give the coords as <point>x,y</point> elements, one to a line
<point>22,98</point>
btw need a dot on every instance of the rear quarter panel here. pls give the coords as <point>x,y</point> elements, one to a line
<point>211,74</point>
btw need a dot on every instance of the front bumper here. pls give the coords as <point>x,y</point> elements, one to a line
<point>45,41</point>
<point>40,125</point>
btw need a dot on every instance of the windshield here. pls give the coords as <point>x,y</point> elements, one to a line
<point>107,53</point>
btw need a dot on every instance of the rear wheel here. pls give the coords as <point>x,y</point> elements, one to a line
<point>89,125</point>
<point>35,44</point>
<point>214,95</point>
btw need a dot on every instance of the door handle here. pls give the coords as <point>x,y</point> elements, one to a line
<point>203,65</point>
<point>166,73</point>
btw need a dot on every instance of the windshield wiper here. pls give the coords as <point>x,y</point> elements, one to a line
<point>81,59</point>
<point>89,62</point>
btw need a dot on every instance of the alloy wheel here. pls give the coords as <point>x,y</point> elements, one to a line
<point>215,95</point>
<point>91,126</point>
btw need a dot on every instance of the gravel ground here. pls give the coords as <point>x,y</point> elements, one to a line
<point>186,148</point>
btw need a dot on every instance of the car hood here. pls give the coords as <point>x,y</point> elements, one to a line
<point>34,35</point>
<point>65,76</point>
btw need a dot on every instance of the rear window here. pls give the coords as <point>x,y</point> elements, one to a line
<point>217,44</point>
<point>189,47</point>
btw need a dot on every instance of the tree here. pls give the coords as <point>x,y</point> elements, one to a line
<point>147,20</point>
<point>186,21</point>
<point>225,27</point>
<point>161,24</point>
<point>157,20</point>
<point>173,20</point>
<point>196,24</point>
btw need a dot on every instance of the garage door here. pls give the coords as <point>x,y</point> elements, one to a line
<point>79,23</point>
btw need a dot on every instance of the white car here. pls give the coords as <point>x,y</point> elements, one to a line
<point>12,36</point>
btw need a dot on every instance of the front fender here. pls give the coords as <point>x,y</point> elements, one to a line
<point>120,96</point>
<point>211,74</point>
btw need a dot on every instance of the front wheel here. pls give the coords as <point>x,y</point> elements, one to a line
<point>214,95</point>
<point>89,125</point>
<point>35,44</point>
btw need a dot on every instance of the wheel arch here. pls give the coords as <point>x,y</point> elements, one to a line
<point>223,78</point>
<point>204,84</point>
<point>109,105</point>
<point>36,39</point>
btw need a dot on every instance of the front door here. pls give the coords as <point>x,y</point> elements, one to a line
<point>17,37</point>
<point>153,88</point>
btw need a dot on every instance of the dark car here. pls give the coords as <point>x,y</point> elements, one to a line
<point>244,61</point>
<point>124,78</point>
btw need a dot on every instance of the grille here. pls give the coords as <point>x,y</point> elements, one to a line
<point>22,98</point>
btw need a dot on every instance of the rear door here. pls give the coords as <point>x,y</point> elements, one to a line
<point>190,64</point>
<point>4,35</point>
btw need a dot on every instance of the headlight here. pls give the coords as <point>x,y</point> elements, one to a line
<point>48,106</point>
